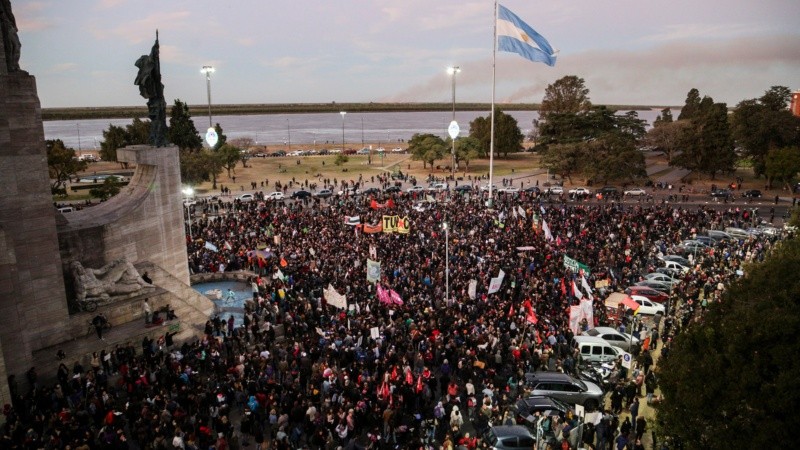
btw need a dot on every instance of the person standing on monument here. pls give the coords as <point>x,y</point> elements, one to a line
<point>148,312</point>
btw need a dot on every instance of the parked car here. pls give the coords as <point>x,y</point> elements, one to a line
<point>580,192</point>
<point>722,193</point>
<point>557,190</point>
<point>719,236</point>
<point>613,337</point>
<point>678,259</point>
<point>300,195</point>
<point>656,276</point>
<point>752,193</point>
<point>279,153</point>
<point>608,190</point>
<point>657,285</point>
<point>649,293</point>
<point>542,404</point>
<point>533,190</point>
<point>392,190</point>
<point>277,195</point>
<point>437,187</point>
<point>397,150</point>
<point>670,272</point>
<point>737,233</point>
<point>463,188</point>
<point>371,191</point>
<point>324,193</point>
<point>363,151</point>
<point>509,190</point>
<point>635,191</point>
<point>565,388</point>
<point>485,188</point>
<point>705,240</point>
<point>413,189</point>
<point>647,306</point>
<point>246,197</point>
<point>509,437</point>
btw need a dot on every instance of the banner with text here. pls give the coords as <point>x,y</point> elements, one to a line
<point>575,265</point>
<point>396,224</point>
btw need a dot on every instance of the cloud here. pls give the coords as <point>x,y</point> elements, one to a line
<point>29,17</point>
<point>142,30</point>
<point>61,68</point>
<point>729,71</point>
<point>246,41</point>
<point>108,4</point>
<point>692,31</point>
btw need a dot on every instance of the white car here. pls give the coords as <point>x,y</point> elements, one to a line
<point>437,187</point>
<point>509,190</point>
<point>614,337</point>
<point>558,190</point>
<point>664,278</point>
<point>397,150</point>
<point>635,191</point>
<point>335,151</point>
<point>277,195</point>
<point>582,191</point>
<point>296,153</point>
<point>485,188</point>
<point>246,197</point>
<point>413,189</point>
<point>647,306</point>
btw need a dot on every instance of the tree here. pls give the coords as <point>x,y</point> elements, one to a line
<point>667,137</point>
<point>109,188</point>
<point>340,159</point>
<point>614,157</point>
<point>782,165</point>
<point>182,131</point>
<point>507,135</point>
<point>62,164</point>
<point>568,95</point>
<point>113,138</point>
<point>467,149</point>
<point>707,144</point>
<point>760,125</point>
<point>426,148</point>
<point>229,155</point>
<point>565,159</point>
<point>729,381</point>
<point>246,144</point>
<point>221,138</point>
<point>691,106</point>
<point>664,118</point>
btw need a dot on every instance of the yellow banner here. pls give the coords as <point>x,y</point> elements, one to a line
<point>396,224</point>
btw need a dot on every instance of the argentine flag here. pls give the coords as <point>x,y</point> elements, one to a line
<point>516,36</point>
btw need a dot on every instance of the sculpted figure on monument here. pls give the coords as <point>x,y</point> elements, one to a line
<point>119,277</point>
<point>150,87</point>
<point>11,44</point>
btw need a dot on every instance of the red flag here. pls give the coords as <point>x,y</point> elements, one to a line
<point>531,316</point>
<point>511,310</point>
<point>283,262</point>
<point>563,287</point>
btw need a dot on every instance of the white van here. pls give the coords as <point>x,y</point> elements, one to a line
<point>676,265</point>
<point>66,209</point>
<point>596,350</point>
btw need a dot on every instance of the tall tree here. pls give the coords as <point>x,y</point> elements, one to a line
<point>664,118</point>
<point>782,165</point>
<point>764,124</point>
<point>138,132</point>
<point>62,164</point>
<point>426,148</point>
<point>708,145</point>
<point>691,106</point>
<point>565,159</point>
<point>110,187</point>
<point>221,138</point>
<point>567,95</point>
<point>182,131</point>
<point>246,144</point>
<point>467,149</point>
<point>668,137</point>
<point>113,138</point>
<point>230,155</point>
<point>507,135</point>
<point>729,381</point>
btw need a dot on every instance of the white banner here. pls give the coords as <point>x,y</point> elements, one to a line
<point>472,289</point>
<point>495,283</point>
<point>373,271</point>
<point>334,298</point>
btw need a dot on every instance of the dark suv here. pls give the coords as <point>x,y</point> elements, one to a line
<point>609,190</point>
<point>752,193</point>
<point>565,388</point>
<point>301,195</point>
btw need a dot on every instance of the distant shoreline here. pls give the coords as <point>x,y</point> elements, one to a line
<point>124,112</point>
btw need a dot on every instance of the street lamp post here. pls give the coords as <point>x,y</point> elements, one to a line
<point>453,71</point>
<point>208,70</point>
<point>343,114</point>
<point>188,192</point>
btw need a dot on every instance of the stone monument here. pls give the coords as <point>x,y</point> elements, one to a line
<point>143,223</point>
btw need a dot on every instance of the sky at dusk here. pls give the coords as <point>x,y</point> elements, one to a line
<point>82,52</point>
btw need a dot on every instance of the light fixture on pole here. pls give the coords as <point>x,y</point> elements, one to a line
<point>211,134</point>
<point>446,263</point>
<point>453,71</point>
<point>343,114</point>
<point>188,192</point>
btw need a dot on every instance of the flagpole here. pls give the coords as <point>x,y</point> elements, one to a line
<point>491,133</point>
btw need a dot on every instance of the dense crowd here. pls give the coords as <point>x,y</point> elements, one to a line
<point>432,371</point>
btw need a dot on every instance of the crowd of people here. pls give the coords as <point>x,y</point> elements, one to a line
<point>434,367</point>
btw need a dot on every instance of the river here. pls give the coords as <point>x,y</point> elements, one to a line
<point>383,128</point>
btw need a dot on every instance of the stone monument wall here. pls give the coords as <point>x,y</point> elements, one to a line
<point>144,222</point>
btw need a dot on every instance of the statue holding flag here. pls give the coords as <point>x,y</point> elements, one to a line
<point>150,87</point>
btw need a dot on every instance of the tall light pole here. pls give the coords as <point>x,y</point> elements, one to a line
<point>289,132</point>
<point>446,263</point>
<point>208,70</point>
<point>453,71</point>
<point>188,192</point>
<point>343,114</point>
